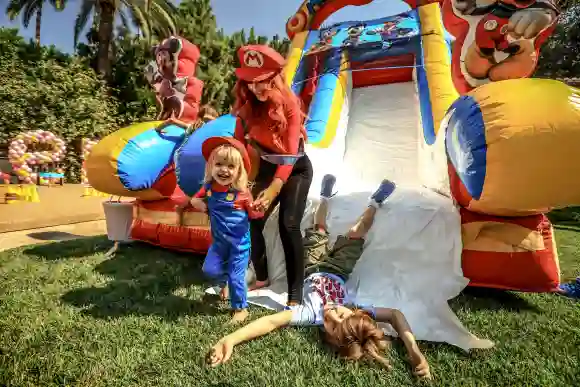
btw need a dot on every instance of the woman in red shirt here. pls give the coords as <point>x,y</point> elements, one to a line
<point>270,124</point>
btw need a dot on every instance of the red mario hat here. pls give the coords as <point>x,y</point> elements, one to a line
<point>213,142</point>
<point>258,62</point>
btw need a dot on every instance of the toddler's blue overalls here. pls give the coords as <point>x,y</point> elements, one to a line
<point>228,256</point>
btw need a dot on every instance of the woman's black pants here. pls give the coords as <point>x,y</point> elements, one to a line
<point>292,199</point>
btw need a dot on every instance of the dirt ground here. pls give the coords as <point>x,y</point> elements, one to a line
<point>58,205</point>
<point>14,239</point>
<point>63,213</point>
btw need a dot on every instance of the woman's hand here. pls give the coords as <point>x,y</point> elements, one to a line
<point>220,353</point>
<point>267,196</point>
<point>198,204</point>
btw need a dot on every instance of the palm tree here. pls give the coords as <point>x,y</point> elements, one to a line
<point>30,7</point>
<point>151,17</point>
<point>280,45</point>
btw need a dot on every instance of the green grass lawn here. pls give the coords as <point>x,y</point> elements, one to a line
<point>70,316</point>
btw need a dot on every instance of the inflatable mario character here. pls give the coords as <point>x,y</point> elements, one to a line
<point>172,75</point>
<point>496,39</point>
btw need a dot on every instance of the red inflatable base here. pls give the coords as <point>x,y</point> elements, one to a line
<point>156,223</point>
<point>509,253</point>
<point>180,238</point>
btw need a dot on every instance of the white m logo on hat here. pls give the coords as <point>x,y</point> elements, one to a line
<point>253,59</point>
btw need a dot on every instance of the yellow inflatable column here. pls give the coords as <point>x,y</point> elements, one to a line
<point>437,62</point>
<point>294,56</point>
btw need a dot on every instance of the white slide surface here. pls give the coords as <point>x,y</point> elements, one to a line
<point>412,255</point>
<point>381,140</point>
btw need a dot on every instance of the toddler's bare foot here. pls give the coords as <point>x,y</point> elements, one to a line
<point>224,293</point>
<point>239,316</point>
<point>259,285</point>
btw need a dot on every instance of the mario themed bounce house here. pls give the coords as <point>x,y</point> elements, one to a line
<point>438,96</point>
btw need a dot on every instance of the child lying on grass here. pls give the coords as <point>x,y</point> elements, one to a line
<point>352,331</point>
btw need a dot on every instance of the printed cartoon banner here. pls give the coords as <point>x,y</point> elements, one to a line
<point>381,33</point>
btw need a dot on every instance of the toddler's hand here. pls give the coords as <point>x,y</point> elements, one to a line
<point>198,204</point>
<point>264,199</point>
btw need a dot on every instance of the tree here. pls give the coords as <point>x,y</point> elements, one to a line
<point>28,8</point>
<point>280,45</point>
<point>54,92</point>
<point>560,55</point>
<point>196,23</point>
<point>152,17</point>
<point>566,4</point>
<point>128,83</point>
<point>130,55</point>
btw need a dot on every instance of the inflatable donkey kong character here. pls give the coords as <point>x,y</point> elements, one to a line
<point>496,39</point>
<point>172,76</point>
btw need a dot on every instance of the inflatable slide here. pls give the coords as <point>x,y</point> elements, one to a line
<point>396,97</point>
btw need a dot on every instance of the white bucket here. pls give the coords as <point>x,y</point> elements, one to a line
<point>119,216</point>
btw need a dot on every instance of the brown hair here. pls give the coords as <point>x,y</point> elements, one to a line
<point>206,114</point>
<point>357,337</point>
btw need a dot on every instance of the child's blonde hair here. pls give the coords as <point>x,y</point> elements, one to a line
<point>230,155</point>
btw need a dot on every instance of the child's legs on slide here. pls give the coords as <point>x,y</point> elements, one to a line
<point>347,249</point>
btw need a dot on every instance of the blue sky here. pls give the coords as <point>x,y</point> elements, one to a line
<point>268,17</point>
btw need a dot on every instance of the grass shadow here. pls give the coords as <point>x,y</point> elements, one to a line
<point>569,216</point>
<point>487,299</point>
<point>568,227</point>
<point>143,281</point>
<point>53,236</point>
<point>76,248</point>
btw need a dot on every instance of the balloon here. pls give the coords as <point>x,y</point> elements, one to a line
<point>21,157</point>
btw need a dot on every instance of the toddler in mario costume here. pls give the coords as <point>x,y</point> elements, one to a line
<point>226,198</point>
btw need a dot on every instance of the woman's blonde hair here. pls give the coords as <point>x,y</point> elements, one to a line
<point>357,337</point>
<point>229,155</point>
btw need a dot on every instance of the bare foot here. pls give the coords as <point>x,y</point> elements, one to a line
<point>224,293</point>
<point>258,285</point>
<point>239,316</point>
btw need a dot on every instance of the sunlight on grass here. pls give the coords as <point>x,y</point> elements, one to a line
<point>70,316</point>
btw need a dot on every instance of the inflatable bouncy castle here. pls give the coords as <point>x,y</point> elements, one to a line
<point>437,96</point>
